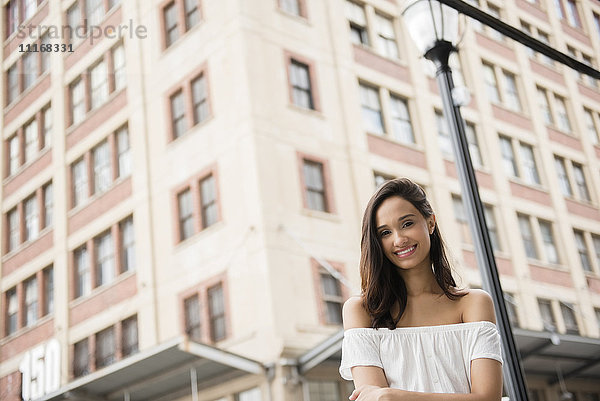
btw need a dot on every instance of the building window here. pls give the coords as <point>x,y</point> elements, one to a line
<point>547,314</point>
<point>186,215</point>
<point>596,242</point>
<point>94,12</point>
<point>461,219</point>
<point>358,23</point>
<point>48,276</point>
<point>386,37</point>
<point>568,313</point>
<point>118,57</point>
<point>380,179</point>
<point>580,182</point>
<point>31,140</point>
<point>302,95</point>
<point>491,84</point>
<point>511,309</point>
<point>129,340</point>
<point>12,83</point>
<point>13,155</point>
<point>293,7</point>
<point>14,230</point>
<point>583,251</point>
<point>123,152</point>
<point>83,282</point>
<point>77,95</point>
<point>191,307</point>
<point>93,92</point>
<point>401,124</point>
<point>216,312</point>
<point>525,167</point>
<point>331,294</point>
<point>371,109</point>
<point>45,56</point>
<point>592,126</point>
<point>492,227</point>
<point>105,347</point>
<point>563,170</point>
<point>11,10</point>
<point>199,99</point>
<point>31,301</point>
<point>98,85</point>
<point>512,94</point>
<point>47,126</point>
<point>12,311</point>
<point>563,179</point>
<point>102,173</point>
<point>562,116</point>
<point>80,182</point>
<point>530,171</point>
<point>30,69</point>
<point>545,106</point>
<point>81,358</point>
<point>506,93</point>
<point>127,236</point>
<point>314,182</point>
<point>32,218</point>
<point>192,14</point>
<point>48,195</point>
<point>208,199</point>
<point>170,20</point>
<point>105,259</point>
<point>527,236</point>
<point>549,243</point>
<point>573,13</point>
<point>179,125</point>
<point>73,19</point>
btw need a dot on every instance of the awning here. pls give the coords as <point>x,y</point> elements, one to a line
<point>576,357</point>
<point>159,372</point>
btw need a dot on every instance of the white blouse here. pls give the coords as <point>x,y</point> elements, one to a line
<point>431,359</point>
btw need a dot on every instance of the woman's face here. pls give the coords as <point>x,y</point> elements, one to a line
<point>404,233</point>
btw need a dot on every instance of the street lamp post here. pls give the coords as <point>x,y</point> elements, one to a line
<point>434,29</point>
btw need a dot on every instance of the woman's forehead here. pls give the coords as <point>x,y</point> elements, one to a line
<point>394,208</point>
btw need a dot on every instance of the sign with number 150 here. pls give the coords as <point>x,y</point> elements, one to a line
<point>40,370</point>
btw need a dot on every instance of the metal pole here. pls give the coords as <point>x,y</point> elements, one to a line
<point>194,383</point>
<point>513,373</point>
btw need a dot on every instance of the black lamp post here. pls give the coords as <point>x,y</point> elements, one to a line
<point>434,29</point>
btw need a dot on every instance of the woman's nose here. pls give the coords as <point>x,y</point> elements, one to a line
<point>399,239</point>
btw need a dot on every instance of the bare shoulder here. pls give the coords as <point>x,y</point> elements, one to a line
<point>354,314</point>
<point>476,306</point>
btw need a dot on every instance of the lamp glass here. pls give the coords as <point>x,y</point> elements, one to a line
<point>429,21</point>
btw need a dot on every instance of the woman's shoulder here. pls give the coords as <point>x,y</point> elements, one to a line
<point>477,305</point>
<point>354,314</point>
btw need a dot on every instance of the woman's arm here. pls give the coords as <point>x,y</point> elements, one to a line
<point>355,316</point>
<point>486,385</point>
<point>486,374</point>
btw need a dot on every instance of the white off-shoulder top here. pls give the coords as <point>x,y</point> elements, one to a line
<point>431,359</point>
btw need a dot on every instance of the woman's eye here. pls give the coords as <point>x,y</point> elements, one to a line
<point>384,233</point>
<point>407,224</point>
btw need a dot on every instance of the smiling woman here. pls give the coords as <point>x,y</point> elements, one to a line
<point>412,334</point>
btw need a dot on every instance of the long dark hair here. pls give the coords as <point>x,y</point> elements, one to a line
<point>381,284</point>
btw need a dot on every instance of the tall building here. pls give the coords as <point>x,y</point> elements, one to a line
<point>183,184</point>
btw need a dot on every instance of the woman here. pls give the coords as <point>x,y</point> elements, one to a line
<point>412,335</point>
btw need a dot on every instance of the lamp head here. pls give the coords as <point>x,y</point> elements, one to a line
<point>429,23</point>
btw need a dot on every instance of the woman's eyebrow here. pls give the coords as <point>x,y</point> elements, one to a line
<point>400,219</point>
